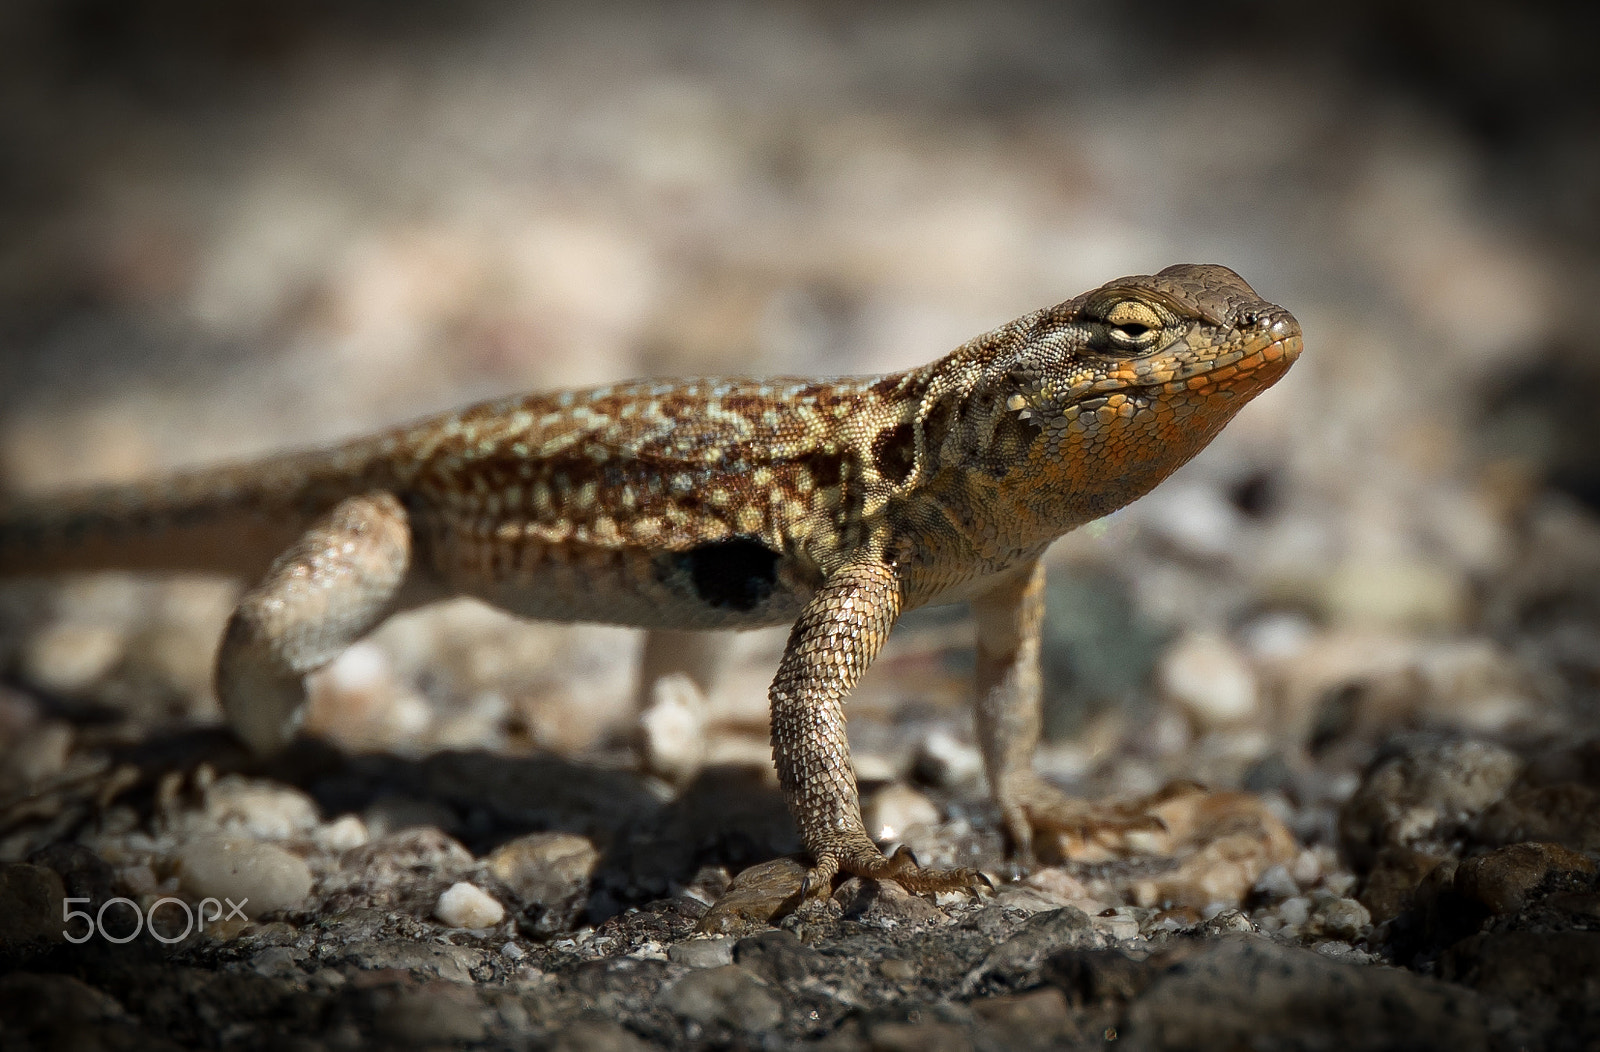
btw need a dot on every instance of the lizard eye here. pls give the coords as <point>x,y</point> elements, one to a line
<point>1133,325</point>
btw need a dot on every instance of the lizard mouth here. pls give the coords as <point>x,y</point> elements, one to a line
<point>1240,374</point>
<point>1248,370</point>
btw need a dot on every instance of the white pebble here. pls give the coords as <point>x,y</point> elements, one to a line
<point>342,834</point>
<point>259,878</point>
<point>68,657</point>
<point>1277,883</point>
<point>1307,868</point>
<point>1211,680</point>
<point>675,728</point>
<point>464,905</point>
<point>1295,911</point>
<point>259,810</point>
<point>895,808</point>
<point>946,762</point>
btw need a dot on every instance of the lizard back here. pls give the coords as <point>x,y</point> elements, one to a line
<point>693,504</point>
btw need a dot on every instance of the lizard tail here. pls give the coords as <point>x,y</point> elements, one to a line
<point>231,521</point>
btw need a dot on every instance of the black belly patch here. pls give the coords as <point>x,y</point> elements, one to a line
<point>736,574</point>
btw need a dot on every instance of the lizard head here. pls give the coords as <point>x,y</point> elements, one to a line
<point>1101,397</point>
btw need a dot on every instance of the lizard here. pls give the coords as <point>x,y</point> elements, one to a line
<point>831,505</point>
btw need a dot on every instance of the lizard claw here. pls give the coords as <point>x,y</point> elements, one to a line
<point>901,867</point>
<point>904,857</point>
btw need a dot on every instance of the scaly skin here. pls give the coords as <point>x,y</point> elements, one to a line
<point>833,505</point>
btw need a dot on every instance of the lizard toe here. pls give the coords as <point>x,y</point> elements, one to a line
<point>902,868</point>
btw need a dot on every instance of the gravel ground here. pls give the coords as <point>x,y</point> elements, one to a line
<point>1350,654</point>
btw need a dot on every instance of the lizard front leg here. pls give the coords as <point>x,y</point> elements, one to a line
<point>328,590</point>
<point>841,629</point>
<point>1009,619</point>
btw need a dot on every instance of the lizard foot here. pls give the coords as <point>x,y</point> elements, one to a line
<point>901,867</point>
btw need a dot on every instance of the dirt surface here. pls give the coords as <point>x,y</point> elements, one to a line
<point>1352,652</point>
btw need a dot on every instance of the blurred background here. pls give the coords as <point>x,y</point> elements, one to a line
<point>227,228</point>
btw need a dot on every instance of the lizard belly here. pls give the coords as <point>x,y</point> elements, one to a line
<point>730,584</point>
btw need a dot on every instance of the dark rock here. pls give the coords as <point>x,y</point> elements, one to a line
<point>1421,793</point>
<point>1098,976</point>
<point>549,876</point>
<point>409,852</point>
<point>1551,978</point>
<point>1391,886</point>
<point>61,1012</point>
<point>885,904</point>
<point>1415,809</point>
<point>84,874</point>
<point>1502,881</point>
<point>422,959</point>
<point>432,1014</point>
<point>1030,1016</point>
<point>1018,958</point>
<point>730,996</point>
<point>1455,900</point>
<point>702,953</point>
<point>757,897</point>
<point>1249,992</point>
<point>777,956</point>
<point>404,871</point>
<point>31,903</point>
<point>1567,813</point>
<point>586,1036</point>
<point>890,1036</point>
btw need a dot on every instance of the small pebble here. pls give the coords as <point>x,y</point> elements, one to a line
<point>1119,922</point>
<point>1196,519</point>
<point>1306,868</point>
<point>1295,911</point>
<point>1211,679</point>
<point>260,810</point>
<point>259,878</point>
<point>69,657</point>
<point>702,953</point>
<point>1339,918</point>
<point>895,808</point>
<point>1276,883</point>
<point>464,905</point>
<point>674,725</point>
<point>897,970</point>
<point>945,762</point>
<point>342,834</point>
<point>140,880</point>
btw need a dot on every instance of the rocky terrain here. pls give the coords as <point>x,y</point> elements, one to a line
<point>1350,655</point>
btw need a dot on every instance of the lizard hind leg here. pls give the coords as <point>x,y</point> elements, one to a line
<point>337,582</point>
<point>677,673</point>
